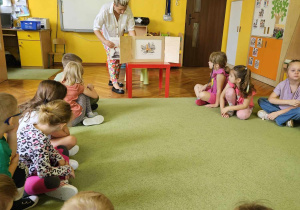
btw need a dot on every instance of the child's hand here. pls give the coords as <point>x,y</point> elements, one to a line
<point>225,115</point>
<point>295,103</point>
<point>72,174</point>
<point>273,115</point>
<point>62,162</point>
<point>224,110</point>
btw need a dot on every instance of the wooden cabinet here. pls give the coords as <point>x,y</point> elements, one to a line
<point>3,69</point>
<point>264,56</point>
<point>34,48</point>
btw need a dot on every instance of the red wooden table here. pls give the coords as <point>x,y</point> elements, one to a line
<point>160,66</point>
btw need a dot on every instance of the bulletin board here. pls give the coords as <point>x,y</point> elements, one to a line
<point>79,15</point>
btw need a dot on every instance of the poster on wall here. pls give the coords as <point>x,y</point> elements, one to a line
<point>254,52</point>
<point>148,49</point>
<point>266,3</point>
<point>250,63</point>
<point>256,65</point>
<point>252,42</point>
<point>261,13</point>
<point>255,23</point>
<point>262,23</point>
<point>259,43</point>
<point>258,3</point>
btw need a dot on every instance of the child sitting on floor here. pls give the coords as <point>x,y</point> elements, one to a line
<point>283,105</point>
<point>238,93</point>
<point>88,200</point>
<point>65,60</point>
<point>252,206</point>
<point>48,170</point>
<point>78,96</point>
<point>210,93</point>
<point>8,192</point>
<point>48,90</point>
<point>9,159</point>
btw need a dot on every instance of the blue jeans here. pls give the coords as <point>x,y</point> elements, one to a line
<point>293,114</point>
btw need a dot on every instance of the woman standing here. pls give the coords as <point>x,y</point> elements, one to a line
<point>111,21</point>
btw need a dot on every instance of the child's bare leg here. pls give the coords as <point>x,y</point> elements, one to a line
<point>204,96</point>
<point>67,141</point>
<point>198,89</point>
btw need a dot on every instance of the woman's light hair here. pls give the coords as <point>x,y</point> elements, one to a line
<point>121,2</point>
<point>72,74</point>
<point>88,200</point>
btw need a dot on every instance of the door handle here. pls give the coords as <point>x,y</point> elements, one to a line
<point>190,19</point>
<point>266,44</point>
<point>268,30</point>
<point>264,30</point>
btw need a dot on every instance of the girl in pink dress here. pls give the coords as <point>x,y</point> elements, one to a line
<point>210,93</point>
<point>238,93</point>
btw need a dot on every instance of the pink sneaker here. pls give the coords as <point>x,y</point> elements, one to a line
<point>199,102</point>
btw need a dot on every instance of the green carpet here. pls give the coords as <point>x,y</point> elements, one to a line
<point>171,154</point>
<point>31,74</point>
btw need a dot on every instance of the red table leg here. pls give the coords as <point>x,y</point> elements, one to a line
<point>129,81</point>
<point>167,82</point>
<point>126,70</point>
<point>160,78</point>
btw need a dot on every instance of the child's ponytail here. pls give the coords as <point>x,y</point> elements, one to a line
<point>55,112</point>
<point>244,74</point>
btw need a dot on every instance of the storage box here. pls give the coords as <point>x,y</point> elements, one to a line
<point>30,25</point>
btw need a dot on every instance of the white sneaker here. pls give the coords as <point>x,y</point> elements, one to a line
<point>73,151</point>
<point>93,121</point>
<point>73,163</point>
<point>290,123</point>
<point>64,192</point>
<point>230,113</point>
<point>26,202</point>
<point>262,114</point>
<point>92,114</point>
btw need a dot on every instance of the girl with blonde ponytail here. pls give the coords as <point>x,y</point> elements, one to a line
<point>238,93</point>
<point>49,169</point>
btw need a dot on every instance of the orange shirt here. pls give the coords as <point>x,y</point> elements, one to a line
<point>72,95</point>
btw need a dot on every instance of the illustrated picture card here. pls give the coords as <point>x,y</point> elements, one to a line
<point>255,22</point>
<point>148,49</point>
<point>250,63</point>
<point>258,3</point>
<point>259,43</point>
<point>262,23</point>
<point>254,52</point>
<point>256,65</point>
<point>261,13</point>
<point>252,42</point>
<point>266,3</point>
<point>115,52</point>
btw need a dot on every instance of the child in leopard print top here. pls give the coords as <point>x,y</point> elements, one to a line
<point>48,169</point>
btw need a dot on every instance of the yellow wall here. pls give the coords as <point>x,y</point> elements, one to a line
<point>88,47</point>
<point>244,36</point>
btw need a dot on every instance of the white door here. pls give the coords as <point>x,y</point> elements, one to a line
<point>233,31</point>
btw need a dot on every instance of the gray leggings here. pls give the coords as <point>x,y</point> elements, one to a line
<point>85,102</point>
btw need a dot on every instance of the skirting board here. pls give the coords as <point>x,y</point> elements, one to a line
<point>264,79</point>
